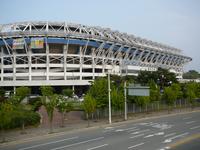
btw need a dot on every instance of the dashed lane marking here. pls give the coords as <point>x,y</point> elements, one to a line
<point>139,135</point>
<point>196,127</point>
<point>135,145</point>
<point>74,144</point>
<point>98,147</point>
<point>43,144</point>
<point>190,122</point>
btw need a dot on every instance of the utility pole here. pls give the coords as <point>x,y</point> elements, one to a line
<point>125,102</point>
<point>109,99</point>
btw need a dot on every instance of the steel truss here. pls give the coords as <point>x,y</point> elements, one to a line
<point>103,51</point>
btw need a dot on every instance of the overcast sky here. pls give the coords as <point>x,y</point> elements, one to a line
<point>172,22</point>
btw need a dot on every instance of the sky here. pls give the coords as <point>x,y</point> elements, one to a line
<point>172,22</point>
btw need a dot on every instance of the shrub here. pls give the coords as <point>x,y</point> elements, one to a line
<point>20,116</point>
<point>35,103</point>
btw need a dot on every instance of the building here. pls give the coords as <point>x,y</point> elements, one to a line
<point>65,54</point>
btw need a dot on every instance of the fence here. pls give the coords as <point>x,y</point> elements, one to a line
<point>132,108</point>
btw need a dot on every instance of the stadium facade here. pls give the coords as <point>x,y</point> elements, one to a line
<point>65,54</point>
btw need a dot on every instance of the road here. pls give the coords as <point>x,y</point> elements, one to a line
<point>147,134</point>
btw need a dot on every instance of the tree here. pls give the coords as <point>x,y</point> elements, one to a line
<point>49,100</point>
<point>2,95</point>
<point>89,106</point>
<point>67,92</point>
<point>64,106</point>
<point>16,99</point>
<point>191,93</point>
<point>191,74</point>
<point>117,97</point>
<point>5,117</point>
<point>142,101</point>
<point>162,76</point>
<point>154,91</point>
<point>169,96</point>
<point>99,91</point>
<point>20,94</point>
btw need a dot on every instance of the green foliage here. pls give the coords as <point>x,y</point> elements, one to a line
<point>5,115</point>
<point>117,98</point>
<point>141,100</point>
<point>67,92</point>
<point>14,116</point>
<point>50,104</point>
<point>162,76</point>
<point>154,91</point>
<point>169,96</point>
<point>64,105</point>
<point>22,92</point>
<point>191,74</point>
<point>177,90</point>
<point>2,95</point>
<point>191,92</point>
<point>46,90</point>
<point>89,104</point>
<point>15,100</point>
<point>36,103</point>
<point>99,91</point>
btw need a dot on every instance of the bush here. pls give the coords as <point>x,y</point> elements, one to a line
<point>36,103</point>
<point>20,116</point>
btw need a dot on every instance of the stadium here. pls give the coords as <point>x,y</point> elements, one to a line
<point>66,54</point>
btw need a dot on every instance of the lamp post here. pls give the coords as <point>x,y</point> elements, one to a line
<point>109,99</point>
<point>125,102</point>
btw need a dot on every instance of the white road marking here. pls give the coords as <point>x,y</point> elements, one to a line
<point>165,148</point>
<point>141,131</point>
<point>135,145</point>
<point>126,129</point>
<point>151,135</point>
<point>159,133</point>
<point>177,136</point>
<point>43,144</point>
<point>119,130</point>
<point>133,130</point>
<point>195,127</point>
<point>186,118</point>
<point>74,144</point>
<point>136,136</point>
<point>170,134</point>
<point>190,122</point>
<point>98,147</point>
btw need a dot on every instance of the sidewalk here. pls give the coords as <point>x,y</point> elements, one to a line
<point>70,126</point>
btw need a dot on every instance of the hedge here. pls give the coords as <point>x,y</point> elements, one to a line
<point>20,116</point>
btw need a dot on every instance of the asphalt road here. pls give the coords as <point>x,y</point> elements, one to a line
<point>147,134</point>
<point>191,145</point>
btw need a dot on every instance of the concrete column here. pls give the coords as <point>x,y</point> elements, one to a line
<point>81,62</point>
<point>65,62</point>
<point>93,64</point>
<point>2,70</point>
<point>47,61</point>
<point>14,65</point>
<point>29,62</point>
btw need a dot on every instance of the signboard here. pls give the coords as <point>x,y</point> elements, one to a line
<point>138,90</point>
<point>18,43</point>
<point>37,43</point>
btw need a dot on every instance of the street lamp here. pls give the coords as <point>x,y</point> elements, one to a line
<point>125,102</point>
<point>109,99</point>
